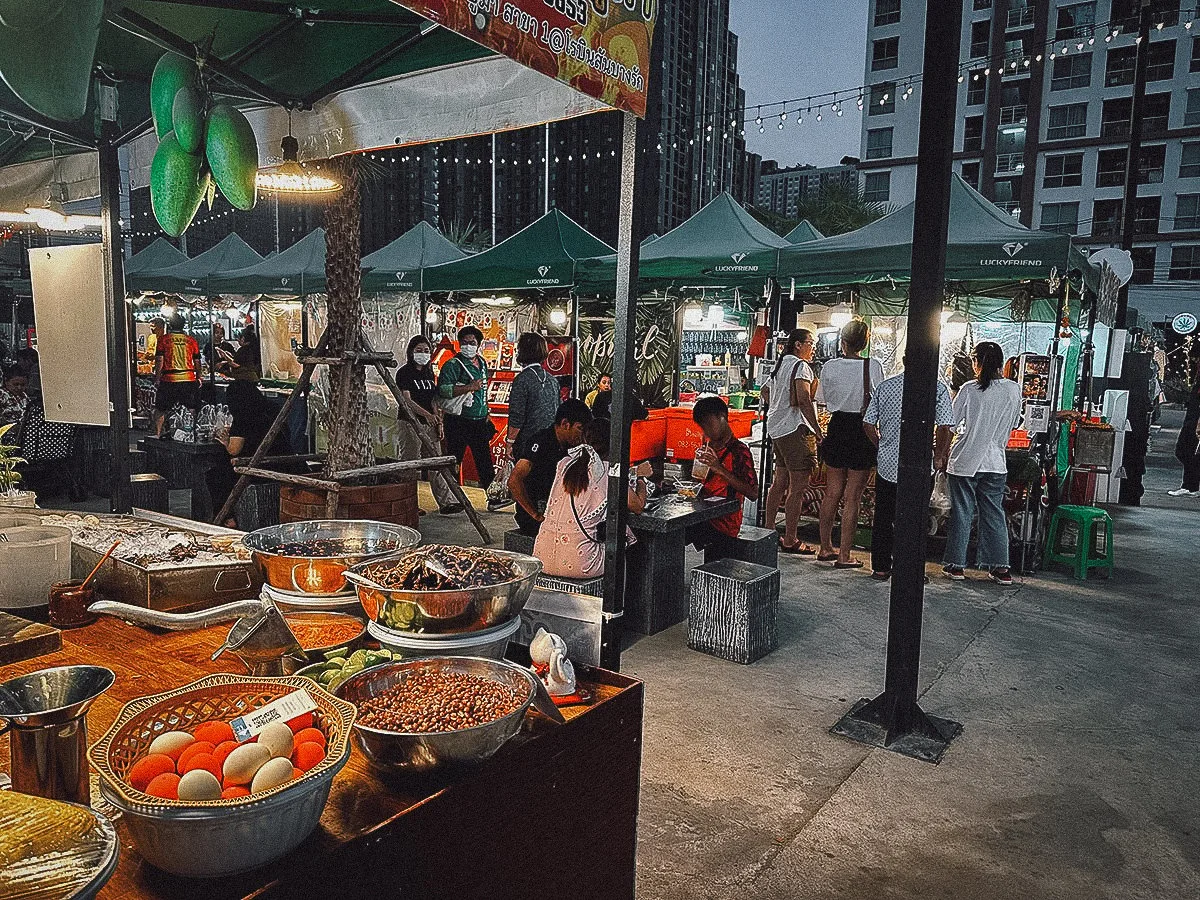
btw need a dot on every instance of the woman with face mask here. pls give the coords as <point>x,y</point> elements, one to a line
<point>462,396</point>
<point>418,383</point>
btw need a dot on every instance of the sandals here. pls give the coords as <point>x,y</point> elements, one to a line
<point>853,564</point>
<point>797,549</point>
<point>826,557</point>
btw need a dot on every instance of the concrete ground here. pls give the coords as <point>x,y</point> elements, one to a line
<point>1075,775</point>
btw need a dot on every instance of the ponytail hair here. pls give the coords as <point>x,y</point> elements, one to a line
<point>577,476</point>
<point>990,359</point>
<point>795,338</point>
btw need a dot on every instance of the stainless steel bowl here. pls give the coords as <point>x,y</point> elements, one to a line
<point>445,612</point>
<point>309,574</point>
<point>413,752</point>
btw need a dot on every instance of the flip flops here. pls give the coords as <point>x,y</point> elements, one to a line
<point>827,557</point>
<point>798,549</point>
<point>853,564</point>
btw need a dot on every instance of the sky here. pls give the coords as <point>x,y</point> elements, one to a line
<point>798,48</point>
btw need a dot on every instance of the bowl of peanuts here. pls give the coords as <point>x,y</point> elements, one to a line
<point>424,714</point>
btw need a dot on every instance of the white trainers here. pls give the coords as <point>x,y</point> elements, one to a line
<point>1183,492</point>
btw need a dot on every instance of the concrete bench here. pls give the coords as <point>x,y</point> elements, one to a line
<point>589,587</point>
<point>515,542</point>
<point>149,491</point>
<point>258,507</point>
<point>753,545</point>
<point>733,610</point>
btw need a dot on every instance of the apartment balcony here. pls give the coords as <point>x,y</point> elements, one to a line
<point>1012,207</point>
<point>1014,115</point>
<point>1022,17</point>
<point>1010,163</point>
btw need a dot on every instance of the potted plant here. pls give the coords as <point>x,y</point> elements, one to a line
<point>10,477</point>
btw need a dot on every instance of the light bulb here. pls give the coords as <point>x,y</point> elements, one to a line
<point>558,317</point>
<point>960,79</point>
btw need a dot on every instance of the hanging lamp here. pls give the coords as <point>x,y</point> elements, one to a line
<point>289,177</point>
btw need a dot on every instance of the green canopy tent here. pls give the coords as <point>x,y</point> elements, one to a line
<point>195,276</point>
<point>803,233</point>
<point>159,255</point>
<point>991,260</point>
<point>721,246</point>
<point>400,265</point>
<point>297,271</point>
<point>540,256</point>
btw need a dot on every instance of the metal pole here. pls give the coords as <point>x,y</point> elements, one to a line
<point>630,226</point>
<point>546,172</point>
<point>893,719</point>
<point>1129,204</point>
<point>115,313</point>
<point>493,189</point>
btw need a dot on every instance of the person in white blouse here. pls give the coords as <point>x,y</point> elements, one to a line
<point>846,387</point>
<point>986,411</point>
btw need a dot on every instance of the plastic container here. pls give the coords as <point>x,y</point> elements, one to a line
<point>489,643</point>
<point>32,558</point>
<point>684,436</point>
<point>289,602</point>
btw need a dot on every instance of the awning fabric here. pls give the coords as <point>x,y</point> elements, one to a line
<point>540,256</point>
<point>722,245</point>
<point>803,233</point>
<point>159,255</point>
<point>193,277</point>
<point>398,266</point>
<point>297,271</point>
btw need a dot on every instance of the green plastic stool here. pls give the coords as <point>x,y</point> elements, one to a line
<point>1085,554</point>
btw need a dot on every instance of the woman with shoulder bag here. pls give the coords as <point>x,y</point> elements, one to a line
<point>846,388</point>
<point>535,395</point>
<point>462,395</point>
<point>570,543</point>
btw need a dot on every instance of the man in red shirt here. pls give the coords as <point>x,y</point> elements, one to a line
<point>730,475</point>
<point>176,372</point>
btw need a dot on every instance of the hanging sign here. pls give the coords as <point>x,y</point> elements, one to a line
<point>1184,323</point>
<point>601,48</point>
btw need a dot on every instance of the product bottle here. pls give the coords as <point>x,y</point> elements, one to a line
<point>699,469</point>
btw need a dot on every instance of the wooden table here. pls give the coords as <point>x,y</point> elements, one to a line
<point>657,595</point>
<point>185,467</point>
<point>555,810</point>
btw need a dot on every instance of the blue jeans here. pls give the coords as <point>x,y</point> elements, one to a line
<point>984,492</point>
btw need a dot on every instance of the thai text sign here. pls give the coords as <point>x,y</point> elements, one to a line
<point>599,47</point>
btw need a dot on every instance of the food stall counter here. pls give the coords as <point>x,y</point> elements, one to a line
<point>556,806</point>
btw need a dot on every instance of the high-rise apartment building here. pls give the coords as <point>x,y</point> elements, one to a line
<point>1044,106</point>
<point>781,190</point>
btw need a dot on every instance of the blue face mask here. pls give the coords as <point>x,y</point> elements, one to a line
<point>421,359</point>
<point>470,351</point>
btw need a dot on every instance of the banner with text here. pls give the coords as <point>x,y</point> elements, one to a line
<point>601,48</point>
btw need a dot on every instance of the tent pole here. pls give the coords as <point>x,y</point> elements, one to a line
<point>893,720</point>
<point>629,234</point>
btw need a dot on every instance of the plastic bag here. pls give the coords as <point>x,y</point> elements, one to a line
<point>939,500</point>
<point>497,492</point>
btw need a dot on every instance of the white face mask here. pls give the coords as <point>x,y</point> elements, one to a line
<point>470,351</point>
<point>421,359</point>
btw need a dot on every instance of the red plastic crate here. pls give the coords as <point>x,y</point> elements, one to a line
<point>684,436</point>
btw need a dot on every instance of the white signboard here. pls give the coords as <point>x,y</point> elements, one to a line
<point>68,311</point>
<point>1184,323</point>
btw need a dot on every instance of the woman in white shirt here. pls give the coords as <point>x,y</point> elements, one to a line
<point>986,411</point>
<point>794,432</point>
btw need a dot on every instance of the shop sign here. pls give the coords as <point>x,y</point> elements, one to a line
<point>546,277</point>
<point>737,266</point>
<point>655,352</point>
<point>601,48</point>
<point>1184,323</point>
<point>1012,256</point>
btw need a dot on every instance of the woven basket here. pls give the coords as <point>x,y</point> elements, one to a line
<point>221,697</point>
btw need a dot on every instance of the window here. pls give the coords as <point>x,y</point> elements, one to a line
<point>887,12</point>
<point>1068,121</point>
<point>1156,114</point>
<point>1110,168</point>
<point>1185,263</point>
<point>976,88</point>
<point>1075,21</point>
<point>883,99</point>
<point>1144,259</point>
<point>1106,218</point>
<point>1071,72</point>
<point>1195,65</point>
<point>982,4</point>
<point>1114,120</point>
<point>1191,115</point>
<point>1160,61</point>
<point>1187,212</point>
<point>1060,217</point>
<point>885,54</point>
<point>877,187</point>
<point>1020,13</point>
<point>970,174</point>
<point>879,143</point>
<point>1189,161</point>
<point>1063,171</point>
<point>973,134</point>
<point>1146,212</point>
<point>981,38</point>
<point>1119,66</point>
<point>1165,12</point>
<point>1151,162</point>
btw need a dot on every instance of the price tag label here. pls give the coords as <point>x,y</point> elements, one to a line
<point>284,709</point>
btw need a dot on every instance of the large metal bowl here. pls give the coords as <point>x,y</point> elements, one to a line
<point>445,612</point>
<point>414,752</point>
<point>303,575</point>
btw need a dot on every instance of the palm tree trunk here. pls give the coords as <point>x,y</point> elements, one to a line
<point>347,421</point>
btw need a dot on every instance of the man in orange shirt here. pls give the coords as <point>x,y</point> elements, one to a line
<point>176,372</point>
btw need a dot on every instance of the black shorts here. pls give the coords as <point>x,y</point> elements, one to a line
<point>846,446</point>
<point>168,394</point>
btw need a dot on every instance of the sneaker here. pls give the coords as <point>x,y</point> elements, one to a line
<point>1183,492</point>
<point>881,574</point>
<point>1002,577</point>
<point>954,573</point>
<point>451,509</point>
<point>497,505</point>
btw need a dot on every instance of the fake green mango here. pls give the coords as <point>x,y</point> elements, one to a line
<point>232,152</point>
<point>187,114</point>
<point>177,185</point>
<point>171,73</point>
